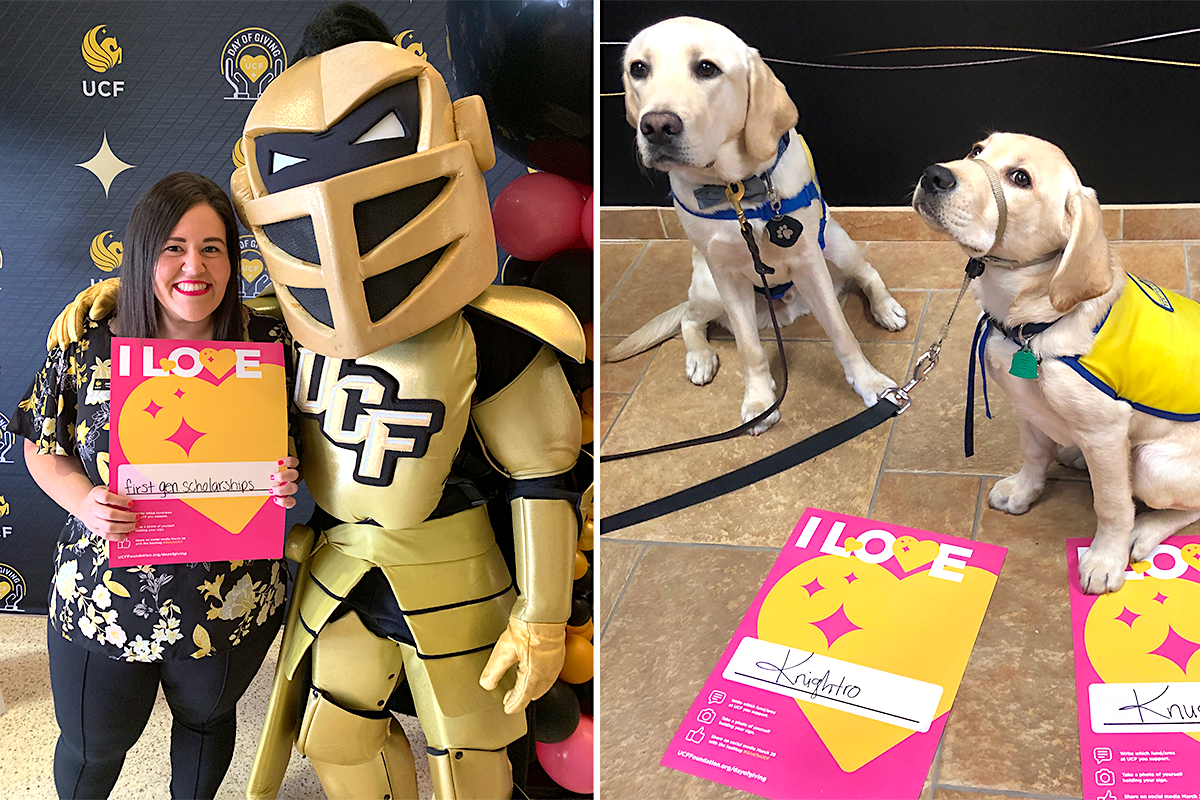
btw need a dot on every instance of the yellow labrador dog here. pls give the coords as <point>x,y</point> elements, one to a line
<point>1115,375</point>
<point>709,111</point>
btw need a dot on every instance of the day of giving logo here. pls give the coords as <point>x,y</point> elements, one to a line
<point>254,273</point>
<point>12,588</point>
<point>101,53</point>
<point>250,60</point>
<point>106,257</point>
<point>7,441</point>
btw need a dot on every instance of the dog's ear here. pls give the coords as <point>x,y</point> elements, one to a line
<point>1083,273</point>
<point>631,109</point>
<point>769,111</point>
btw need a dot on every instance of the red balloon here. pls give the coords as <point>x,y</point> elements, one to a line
<point>537,215</point>
<point>569,762</point>
<point>586,223</point>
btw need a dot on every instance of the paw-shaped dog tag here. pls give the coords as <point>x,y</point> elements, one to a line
<point>783,231</point>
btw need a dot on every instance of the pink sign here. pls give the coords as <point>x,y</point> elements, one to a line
<point>1138,678</point>
<point>839,679</point>
<point>196,433</point>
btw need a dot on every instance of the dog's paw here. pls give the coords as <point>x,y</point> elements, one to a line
<point>869,383</point>
<point>1100,571</point>
<point>1072,457</point>
<point>701,367</point>
<point>889,314</point>
<point>752,408</point>
<point>1149,530</point>
<point>1012,495</point>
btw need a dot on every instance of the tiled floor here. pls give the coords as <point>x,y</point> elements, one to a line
<point>28,731</point>
<point>674,589</point>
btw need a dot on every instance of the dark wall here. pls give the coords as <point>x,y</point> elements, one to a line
<point>59,227</point>
<point>1131,129</point>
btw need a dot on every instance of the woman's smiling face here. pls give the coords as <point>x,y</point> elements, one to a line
<point>192,271</point>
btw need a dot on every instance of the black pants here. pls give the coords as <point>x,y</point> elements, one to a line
<point>102,706</point>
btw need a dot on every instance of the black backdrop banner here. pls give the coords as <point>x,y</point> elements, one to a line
<point>98,101</point>
<point>874,122</point>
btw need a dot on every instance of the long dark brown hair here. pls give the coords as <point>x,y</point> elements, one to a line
<point>152,220</point>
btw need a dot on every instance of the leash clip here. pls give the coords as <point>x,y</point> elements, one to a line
<point>734,192</point>
<point>901,395</point>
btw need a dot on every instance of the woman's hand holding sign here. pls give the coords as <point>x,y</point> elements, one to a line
<point>286,478</point>
<point>107,514</point>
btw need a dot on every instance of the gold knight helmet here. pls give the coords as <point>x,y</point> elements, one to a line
<point>363,186</point>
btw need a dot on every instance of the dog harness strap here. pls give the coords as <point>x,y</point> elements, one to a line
<point>742,477</point>
<point>776,292</point>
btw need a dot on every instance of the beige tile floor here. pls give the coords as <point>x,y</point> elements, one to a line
<point>674,589</point>
<point>28,731</point>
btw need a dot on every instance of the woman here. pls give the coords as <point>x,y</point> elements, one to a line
<point>201,630</point>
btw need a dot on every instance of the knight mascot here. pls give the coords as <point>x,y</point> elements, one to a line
<point>417,383</point>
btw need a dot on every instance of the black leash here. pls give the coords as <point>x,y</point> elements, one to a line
<point>742,477</point>
<point>734,193</point>
<point>892,402</point>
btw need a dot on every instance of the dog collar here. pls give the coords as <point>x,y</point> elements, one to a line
<point>757,186</point>
<point>765,210</point>
<point>1020,336</point>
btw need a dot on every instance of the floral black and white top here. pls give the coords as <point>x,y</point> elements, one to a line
<point>146,613</point>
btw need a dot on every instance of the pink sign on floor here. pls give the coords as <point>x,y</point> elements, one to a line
<point>1137,677</point>
<point>196,433</point>
<point>840,678</point>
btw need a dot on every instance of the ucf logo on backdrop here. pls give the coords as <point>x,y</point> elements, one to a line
<point>423,391</point>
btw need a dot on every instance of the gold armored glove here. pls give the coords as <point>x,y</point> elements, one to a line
<point>538,649</point>
<point>94,302</point>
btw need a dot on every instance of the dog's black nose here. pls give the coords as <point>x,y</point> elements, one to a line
<point>660,127</point>
<point>937,179</point>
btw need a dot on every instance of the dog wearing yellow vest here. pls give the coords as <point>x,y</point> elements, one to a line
<point>1089,356</point>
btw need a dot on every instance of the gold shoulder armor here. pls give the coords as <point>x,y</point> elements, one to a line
<point>538,313</point>
<point>265,303</point>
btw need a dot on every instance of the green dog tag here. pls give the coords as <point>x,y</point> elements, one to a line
<point>1024,364</point>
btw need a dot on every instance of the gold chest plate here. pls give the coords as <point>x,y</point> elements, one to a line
<point>379,433</point>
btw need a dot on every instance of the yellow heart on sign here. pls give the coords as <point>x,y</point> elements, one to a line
<point>912,553</point>
<point>1191,554</point>
<point>253,66</point>
<point>175,420</point>
<point>1146,633</point>
<point>877,631</point>
<point>5,588</point>
<point>851,544</point>
<point>251,268</point>
<point>218,362</point>
<point>166,364</point>
<point>1140,567</point>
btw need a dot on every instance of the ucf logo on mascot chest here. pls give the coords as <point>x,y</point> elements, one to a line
<point>363,187</point>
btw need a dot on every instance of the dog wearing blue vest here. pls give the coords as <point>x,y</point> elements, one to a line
<point>1090,357</point>
<point>708,111</point>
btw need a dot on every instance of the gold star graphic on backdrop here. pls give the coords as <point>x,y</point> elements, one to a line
<point>105,165</point>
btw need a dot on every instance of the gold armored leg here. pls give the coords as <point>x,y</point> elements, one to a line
<point>471,775</point>
<point>465,726</point>
<point>358,749</point>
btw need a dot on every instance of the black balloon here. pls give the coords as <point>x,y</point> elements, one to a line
<point>568,276</point>
<point>581,611</point>
<point>516,272</point>
<point>531,62</point>
<point>584,691</point>
<point>557,714</point>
